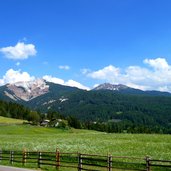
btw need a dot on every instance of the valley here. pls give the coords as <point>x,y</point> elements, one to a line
<point>35,138</point>
<point>108,108</point>
<point>25,137</point>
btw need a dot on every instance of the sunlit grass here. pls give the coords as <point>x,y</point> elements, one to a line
<point>4,120</point>
<point>19,137</point>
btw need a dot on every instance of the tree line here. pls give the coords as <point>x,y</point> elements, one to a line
<point>128,117</point>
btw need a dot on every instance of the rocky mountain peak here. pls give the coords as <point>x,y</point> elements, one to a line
<point>108,86</point>
<point>27,90</point>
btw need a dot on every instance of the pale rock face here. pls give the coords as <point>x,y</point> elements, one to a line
<point>63,99</point>
<point>28,90</point>
<point>108,86</point>
<point>10,96</point>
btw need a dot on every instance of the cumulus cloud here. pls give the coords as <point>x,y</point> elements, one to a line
<point>109,73</point>
<point>70,83</point>
<point>158,64</point>
<point>64,67</point>
<point>19,52</point>
<point>95,85</point>
<point>13,76</point>
<point>55,80</point>
<point>158,77</point>
<point>73,83</point>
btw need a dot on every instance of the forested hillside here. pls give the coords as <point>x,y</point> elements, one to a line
<point>127,110</point>
<point>118,112</point>
<point>14,110</point>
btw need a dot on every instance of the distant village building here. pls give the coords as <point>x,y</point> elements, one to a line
<point>44,123</point>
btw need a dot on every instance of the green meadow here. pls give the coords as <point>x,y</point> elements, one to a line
<point>19,137</point>
<point>5,121</point>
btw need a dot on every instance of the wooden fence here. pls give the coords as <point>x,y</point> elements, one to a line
<point>83,161</point>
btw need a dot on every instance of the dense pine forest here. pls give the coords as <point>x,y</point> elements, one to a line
<point>102,111</point>
<point>115,112</point>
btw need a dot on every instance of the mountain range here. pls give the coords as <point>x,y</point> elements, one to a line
<point>105,103</point>
<point>27,91</point>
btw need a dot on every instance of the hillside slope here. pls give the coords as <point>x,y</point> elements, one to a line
<point>120,105</point>
<point>5,120</point>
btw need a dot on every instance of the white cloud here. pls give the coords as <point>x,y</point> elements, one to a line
<point>136,73</point>
<point>73,83</point>
<point>95,85</point>
<point>158,63</point>
<point>19,51</point>
<point>1,82</point>
<point>13,76</point>
<point>155,77</point>
<point>158,77</point>
<point>107,73</point>
<point>64,67</point>
<point>70,83</point>
<point>55,80</point>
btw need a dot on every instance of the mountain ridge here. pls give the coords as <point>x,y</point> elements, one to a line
<point>124,106</point>
<point>108,86</point>
<point>28,91</point>
<point>121,88</point>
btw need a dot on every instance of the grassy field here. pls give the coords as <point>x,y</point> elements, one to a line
<point>16,136</point>
<point>19,137</point>
<point>4,120</point>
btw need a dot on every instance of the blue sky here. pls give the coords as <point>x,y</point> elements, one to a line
<point>87,42</point>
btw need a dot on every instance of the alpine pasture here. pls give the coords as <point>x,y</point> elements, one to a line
<point>36,138</point>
